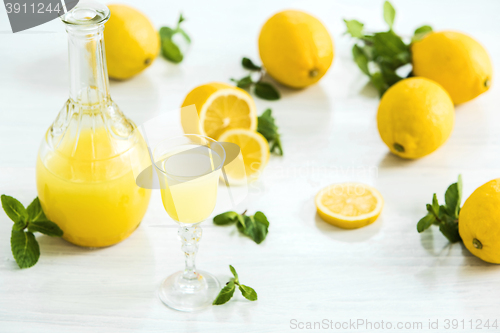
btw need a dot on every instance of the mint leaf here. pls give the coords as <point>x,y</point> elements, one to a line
<point>389,14</point>
<point>181,19</point>
<point>256,227</point>
<point>248,64</point>
<point>234,274</point>
<point>226,218</point>
<point>266,91</point>
<point>267,127</point>
<point>452,199</point>
<point>354,28</point>
<point>24,248</point>
<point>435,204</point>
<point>360,59</point>
<point>389,45</point>
<point>35,211</point>
<point>225,294</point>
<point>248,292</point>
<point>166,32</point>
<point>14,209</point>
<point>171,51</point>
<point>421,32</point>
<point>185,35</point>
<point>425,222</point>
<point>450,230</point>
<point>378,81</point>
<point>244,82</point>
<point>45,227</point>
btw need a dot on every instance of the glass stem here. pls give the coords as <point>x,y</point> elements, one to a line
<point>190,236</point>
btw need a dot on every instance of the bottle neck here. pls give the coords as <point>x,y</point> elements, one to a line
<point>87,61</point>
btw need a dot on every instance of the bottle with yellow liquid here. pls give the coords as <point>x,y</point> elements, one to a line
<point>88,157</point>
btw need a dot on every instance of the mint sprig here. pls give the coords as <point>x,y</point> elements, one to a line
<point>379,55</point>
<point>445,216</point>
<point>24,246</point>
<point>268,128</point>
<point>227,292</point>
<point>261,89</point>
<point>254,226</point>
<point>169,49</point>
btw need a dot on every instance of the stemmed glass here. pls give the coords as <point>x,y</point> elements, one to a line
<point>188,169</point>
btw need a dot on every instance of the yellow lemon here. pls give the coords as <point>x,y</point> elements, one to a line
<point>415,117</point>
<point>254,155</point>
<point>454,60</point>
<point>479,222</point>
<point>132,42</point>
<point>219,107</point>
<point>295,48</point>
<point>349,205</point>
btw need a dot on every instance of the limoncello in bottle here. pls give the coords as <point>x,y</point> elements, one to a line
<point>86,162</point>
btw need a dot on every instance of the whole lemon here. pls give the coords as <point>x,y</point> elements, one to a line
<point>454,60</point>
<point>415,117</point>
<point>132,42</point>
<point>479,222</point>
<point>295,48</point>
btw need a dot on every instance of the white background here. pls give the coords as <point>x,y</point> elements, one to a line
<point>306,269</point>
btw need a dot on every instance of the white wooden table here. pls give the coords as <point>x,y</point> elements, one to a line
<point>306,270</point>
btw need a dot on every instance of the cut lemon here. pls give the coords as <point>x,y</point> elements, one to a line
<point>349,205</point>
<point>254,156</point>
<point>219,107</point>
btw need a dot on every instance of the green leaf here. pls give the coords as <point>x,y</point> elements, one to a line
<point>267,127</point>
<point>166,32</point>
<point>181,19</point>
<point>24,248</point>
<point>244,82</point>
<point>378,81</point>
<point>425,222</point>
<point>450,230</point>
<point>248,292</point>
<point>389,74</point>
<point>45,227</point>
<point>234,274</point>
<point>14,209</point>
<point>256,227</point>
<point>266,91</point>
<point>184,34</point>
<point>389,14</point>
<point>354,28</point>
<point>361,59</point>
<point>171,51</point>
<point>435,204</point>
<point>225,294</point>
<point>226,218</point>
<point>452,199</point>
<point>389,45</point>
<point>248,64</point>
<point>421,32</point>
<point>35,211</point>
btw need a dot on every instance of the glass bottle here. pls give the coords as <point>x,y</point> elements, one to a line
<point>89,156</point>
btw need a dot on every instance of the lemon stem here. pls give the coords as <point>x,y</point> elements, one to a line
<point>477,244</point>
<point>313,72</point>
<point>487,82</point>
<point>399,147</point>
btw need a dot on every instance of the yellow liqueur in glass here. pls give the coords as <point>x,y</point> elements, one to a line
<point>86,162</point>
<point>188,169</point>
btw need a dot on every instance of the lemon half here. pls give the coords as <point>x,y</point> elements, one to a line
<point>254,155</point>
<point>220,107</point>
<point>349,205</point>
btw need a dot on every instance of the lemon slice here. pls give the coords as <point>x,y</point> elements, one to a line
<point>349,205</point>
<point>219,107</point>
<point>254,156</point>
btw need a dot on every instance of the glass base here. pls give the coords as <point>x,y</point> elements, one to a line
<point>188,295</point>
